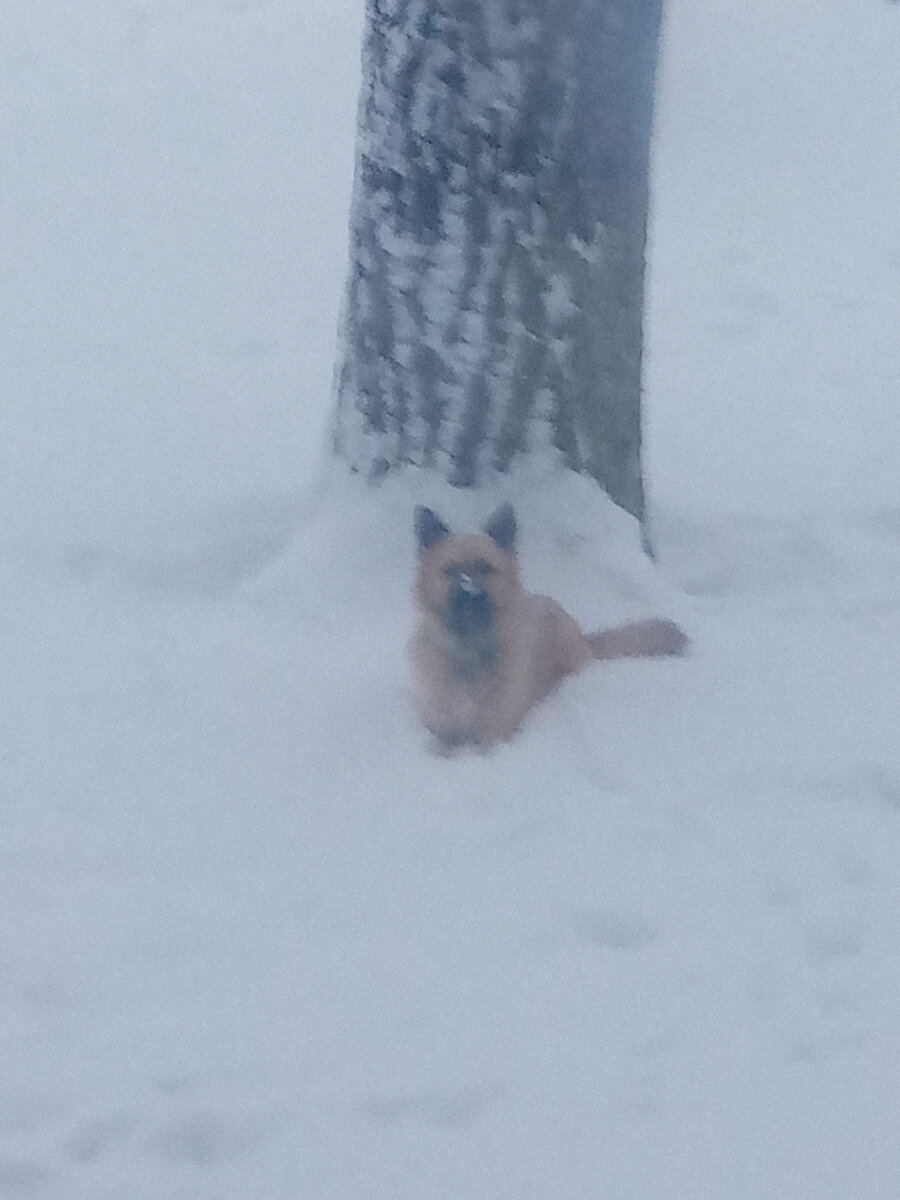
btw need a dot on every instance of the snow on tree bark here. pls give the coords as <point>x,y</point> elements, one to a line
<point>495,298</point>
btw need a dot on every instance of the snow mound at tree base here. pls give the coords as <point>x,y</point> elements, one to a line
<point>355,545</point>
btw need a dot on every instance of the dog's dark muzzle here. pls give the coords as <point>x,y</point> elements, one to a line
<point>469,608</point>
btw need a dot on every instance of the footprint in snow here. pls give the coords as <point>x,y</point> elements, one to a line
<point>827,943</point>
<point>95,1138</point>
<point>203,1139</point>
<point>21,1178</point>
<point>614,931</point>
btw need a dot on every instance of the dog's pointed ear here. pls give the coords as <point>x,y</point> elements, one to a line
<point>501,526</point>
<point>429,528</point>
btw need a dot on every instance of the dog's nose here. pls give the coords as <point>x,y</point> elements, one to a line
<point>469,607</point>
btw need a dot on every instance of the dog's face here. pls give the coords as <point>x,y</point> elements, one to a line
<point>468,582</point>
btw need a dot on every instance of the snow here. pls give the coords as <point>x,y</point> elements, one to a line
<point>775,264</point>
<point>256,941</point>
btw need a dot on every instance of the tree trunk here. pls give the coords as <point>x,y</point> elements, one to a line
<point>495,299</point>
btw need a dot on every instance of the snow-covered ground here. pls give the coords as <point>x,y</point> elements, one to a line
<point>255,942</point>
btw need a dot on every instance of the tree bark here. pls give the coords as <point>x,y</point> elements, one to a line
<point>494,305</point>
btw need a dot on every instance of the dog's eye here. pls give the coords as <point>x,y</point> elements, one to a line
<point>482,567</point>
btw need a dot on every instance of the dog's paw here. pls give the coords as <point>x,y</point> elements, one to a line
<point>444,745</point>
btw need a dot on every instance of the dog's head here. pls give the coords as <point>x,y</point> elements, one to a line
<point>468,581</point>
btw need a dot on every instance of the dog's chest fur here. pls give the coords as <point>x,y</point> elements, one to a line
<point>473,659</point>
<point>471,689</point>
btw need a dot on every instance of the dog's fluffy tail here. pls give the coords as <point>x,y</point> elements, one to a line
<point>642,639</point>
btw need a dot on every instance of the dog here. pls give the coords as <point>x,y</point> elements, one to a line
<point>486,651</point>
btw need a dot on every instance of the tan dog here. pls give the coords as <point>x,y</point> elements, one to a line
<point>485,650</point>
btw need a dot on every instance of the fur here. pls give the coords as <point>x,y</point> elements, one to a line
<point>485,650</point>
